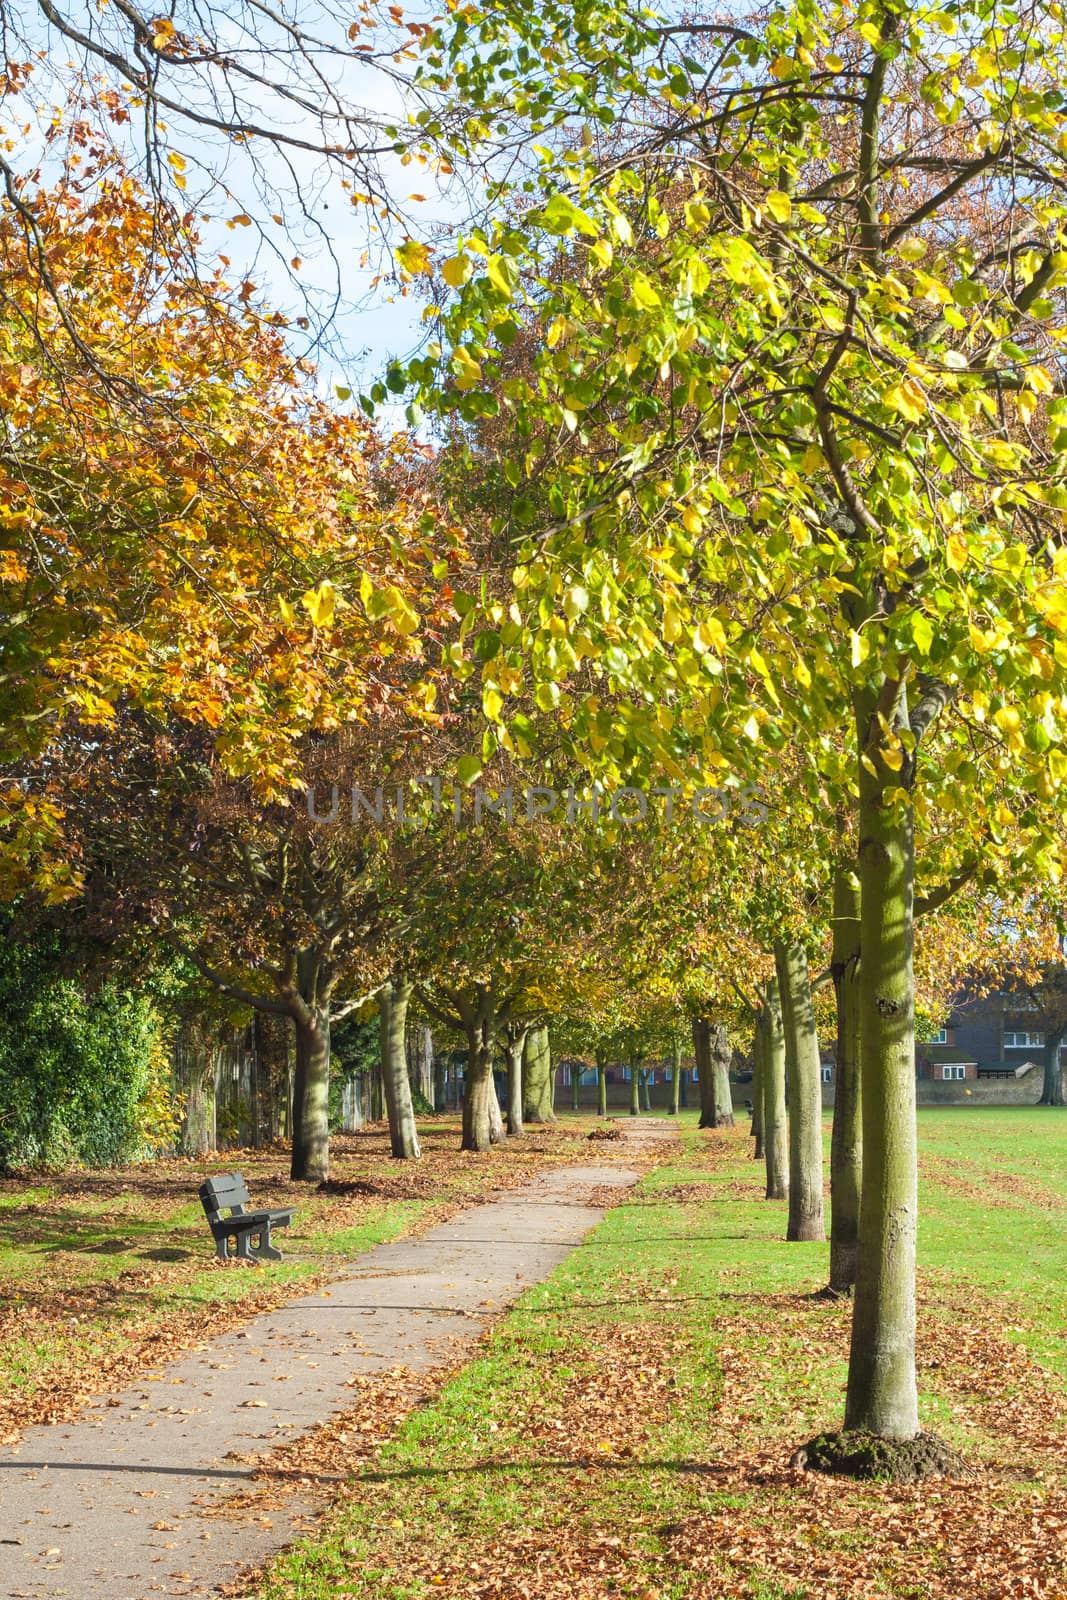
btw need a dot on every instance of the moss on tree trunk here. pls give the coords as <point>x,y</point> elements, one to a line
<point>311,1097</point>
<point>721,1055</point>
<point>393,1000</point>
<point>756,1129</point>
<point>805,1094</point>
<point>537,1078</point>
<point>676,1076</point>
<point>775,1142</point>
<point>478,1086</point>
<point>882,1396</point>
<point>846,1143</point>
<point>1052,1087</point>
<point>514,1048</point>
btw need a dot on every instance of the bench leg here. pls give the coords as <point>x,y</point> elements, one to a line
<point>265,1250</point>
<point>222,1248</point>
<point>244,1246</point>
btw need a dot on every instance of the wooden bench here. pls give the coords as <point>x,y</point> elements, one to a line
<point>229,1192</point>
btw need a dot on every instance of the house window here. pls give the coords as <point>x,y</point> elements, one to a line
<point>827,1074</point>
<point>950,1072</point>
<point>1016,1040</point>
<point>626,1074</point>
<point>940,1037</point>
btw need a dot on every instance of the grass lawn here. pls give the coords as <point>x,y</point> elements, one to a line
<point>103,1273</point>
<point>628,1429</point>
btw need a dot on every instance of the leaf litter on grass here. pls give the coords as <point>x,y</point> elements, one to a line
<point>104,1274</point>
<point>660,1468</point>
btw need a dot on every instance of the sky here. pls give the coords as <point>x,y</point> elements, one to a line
<point>298,93</point>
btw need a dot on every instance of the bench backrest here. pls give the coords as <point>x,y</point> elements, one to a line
<point>227,1192</point>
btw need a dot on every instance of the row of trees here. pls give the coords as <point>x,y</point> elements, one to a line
<point>748,499</point>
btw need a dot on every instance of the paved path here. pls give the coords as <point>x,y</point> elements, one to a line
<point>103,1508</point>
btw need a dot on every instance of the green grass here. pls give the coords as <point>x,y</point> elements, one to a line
<point>659,1379</point>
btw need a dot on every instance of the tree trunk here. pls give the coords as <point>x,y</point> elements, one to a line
<point>478,1087</point>
<point>705,1071</point>
<point>683,1098</point>
<point>643,1078</point>
<point>576,1087</point>
<point>846,1141</point>
<point>635,1089</point>
<point>440,1091</point>
<point>515,1048</point>
<point>424,1063</point>
<point>805,1094</point>
<point>774,1120</point>
<point>1052,1090</point>
<point>537,1078</point>
<point>271,1035</point>
<point>497,1131</point>
<point>393,1000</point>
<point>676,1077</point>
<point>197,1079</point>
<point>882,1395</point>
<point>352,1104</point>
<point>601,1088</point>
<point>311,1097</point>
<point>756,1129</point>
<point>721,1054</point>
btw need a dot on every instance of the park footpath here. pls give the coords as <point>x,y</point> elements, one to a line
<point>125,1502</point>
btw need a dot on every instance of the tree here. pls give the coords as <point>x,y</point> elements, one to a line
<point>1020,949</point>
<point>871,547</point>
<point>803,1069</point>
<point>280,913</point>
<point>538,1077</point>
<point>393,997</point>
<point>189,528</point>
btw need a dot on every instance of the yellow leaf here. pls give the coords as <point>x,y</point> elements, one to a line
<point>320,604</point>
<point>414,256</point>
<point>906,398</point>
<point>956,552</point>
<point>643,294</point>
<point>457,271</point>
<point>672,624</point>
<point>492,700</point>
<point>709,635</point>
<point>779,205</point>
<point>468,371</point>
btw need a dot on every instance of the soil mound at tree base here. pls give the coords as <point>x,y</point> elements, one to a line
<point>852,1454</point>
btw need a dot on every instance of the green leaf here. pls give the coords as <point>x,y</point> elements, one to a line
<point>562,216</point>
<point>643,294</point>
<point>922,631</point>
<point>468,769</point>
